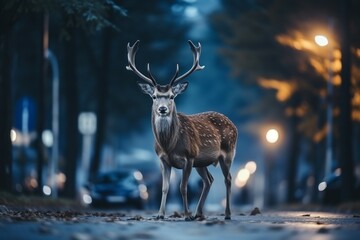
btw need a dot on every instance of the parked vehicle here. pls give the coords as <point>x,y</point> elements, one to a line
<point>121,187</point>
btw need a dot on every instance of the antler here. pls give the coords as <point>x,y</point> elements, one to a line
<point>196,66</point>
<point>132,67</point>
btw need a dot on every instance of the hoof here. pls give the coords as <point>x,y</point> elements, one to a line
<point>159,217</point>
<point>227,218</point>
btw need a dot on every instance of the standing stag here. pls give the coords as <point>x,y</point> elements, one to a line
<point>187,141</point>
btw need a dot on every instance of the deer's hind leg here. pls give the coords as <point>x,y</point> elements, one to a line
<point>207,179</point>
<point>225,164</point>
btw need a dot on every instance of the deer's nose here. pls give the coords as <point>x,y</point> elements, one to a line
<point>163,109</point>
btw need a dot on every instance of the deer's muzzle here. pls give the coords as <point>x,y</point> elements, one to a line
<point>163,110</point>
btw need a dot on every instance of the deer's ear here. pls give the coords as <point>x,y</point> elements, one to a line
<point>179,88</point>
<point>146,88</point>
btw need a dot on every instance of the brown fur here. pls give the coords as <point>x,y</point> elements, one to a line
<point>196,136</point>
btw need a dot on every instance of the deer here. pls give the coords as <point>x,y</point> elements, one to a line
<point>186,141</point>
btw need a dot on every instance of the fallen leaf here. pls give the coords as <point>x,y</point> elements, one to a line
<point>255,211</point>
<point>176,215</point>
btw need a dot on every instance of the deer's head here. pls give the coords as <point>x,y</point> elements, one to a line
<point>163,95</point>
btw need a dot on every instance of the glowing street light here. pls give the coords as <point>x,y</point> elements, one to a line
<point>272,135</point>
<point>321,40</point>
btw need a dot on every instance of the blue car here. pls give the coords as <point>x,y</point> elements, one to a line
<point>117,188</point>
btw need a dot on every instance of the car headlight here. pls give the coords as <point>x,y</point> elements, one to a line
<point>143,191</point>
<point>87,199</point>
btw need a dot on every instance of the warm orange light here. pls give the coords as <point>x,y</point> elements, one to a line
<point>284,89</point>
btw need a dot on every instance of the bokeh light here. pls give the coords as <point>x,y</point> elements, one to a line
<point>272,135</point>
<point>138,175</point>
<point>251,166</point>
<point>46,190</point>
<point>242,177</point>
<point>321,40</point>
<point>13,135</point>
<point>322,186</point>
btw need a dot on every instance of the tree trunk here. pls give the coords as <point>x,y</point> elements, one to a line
<point>102,85</point>
<point>72,132</point>
<point>8,16</point>
<point>346,143</point>
<point>293,154</point>
<point>40,148</point>
<point>5,117</point>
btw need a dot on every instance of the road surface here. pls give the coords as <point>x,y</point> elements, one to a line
<point>118,224</point>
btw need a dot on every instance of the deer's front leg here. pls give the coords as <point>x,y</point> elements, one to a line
<point>183,187</point>
<point>165,171</point>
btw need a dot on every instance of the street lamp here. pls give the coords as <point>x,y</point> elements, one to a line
<point>323,41</point>
<point>271,137</point>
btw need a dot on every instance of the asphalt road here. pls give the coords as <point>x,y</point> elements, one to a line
<point>119,224</point>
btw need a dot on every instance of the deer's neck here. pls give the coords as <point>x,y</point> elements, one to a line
<point>166,130</point>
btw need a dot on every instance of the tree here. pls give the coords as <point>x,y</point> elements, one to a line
<point>98,18</point>
<point>346,141</point>
<point>102,85</point>
<point>8,15</point>
<point>70,77</point>
<point>268,45</point>
<point>91,15</point>
<point>257,57</point>
<point>5,121</point>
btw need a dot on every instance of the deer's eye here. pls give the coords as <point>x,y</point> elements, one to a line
<point>172,96</point>
<point>153,97</point>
